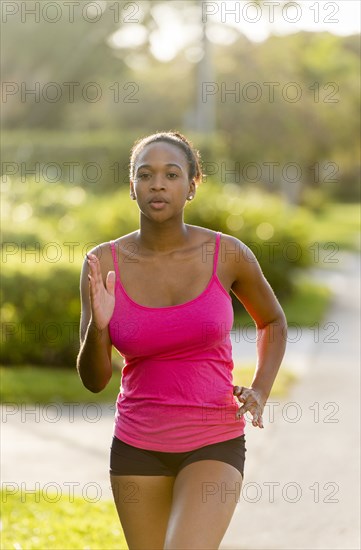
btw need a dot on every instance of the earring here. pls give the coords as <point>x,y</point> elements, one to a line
<point>190,197</point>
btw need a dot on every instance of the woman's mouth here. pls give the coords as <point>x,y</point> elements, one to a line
<point>158,205</point>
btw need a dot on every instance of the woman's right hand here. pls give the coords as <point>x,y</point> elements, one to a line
<point>102,298</point>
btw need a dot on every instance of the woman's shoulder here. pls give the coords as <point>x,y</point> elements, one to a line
<point>103,251</point>
<point>126,239</point>
<point>233,243</point>
<point>210,235</point>
<point>233,253</point>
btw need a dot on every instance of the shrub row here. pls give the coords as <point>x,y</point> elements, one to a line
<point>41,304</point>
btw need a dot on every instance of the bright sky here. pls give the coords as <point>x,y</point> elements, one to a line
<point>178,23</point>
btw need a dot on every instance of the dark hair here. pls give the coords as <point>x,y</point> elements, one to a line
<point>174,138</point>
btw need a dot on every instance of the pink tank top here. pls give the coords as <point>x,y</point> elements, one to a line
<point>176,390</point>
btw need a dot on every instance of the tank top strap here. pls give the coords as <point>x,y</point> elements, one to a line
<point>218,240</point>
<point>115,261</point>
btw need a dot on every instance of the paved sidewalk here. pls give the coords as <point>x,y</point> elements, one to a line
<point>308,454</point>
<point>302,478</point>
<point>58,449</point>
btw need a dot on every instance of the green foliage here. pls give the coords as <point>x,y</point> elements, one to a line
<point>41,302</point>
<point>40,317</point>
<point>80,152</point>
<point>42,520</point>
<point>98,162</point>
<point>276,232</point>
<point>317,131</point>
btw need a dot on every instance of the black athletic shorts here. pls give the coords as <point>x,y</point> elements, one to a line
<point>128,460</point>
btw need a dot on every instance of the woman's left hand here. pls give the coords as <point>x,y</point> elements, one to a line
<point>251,401</point>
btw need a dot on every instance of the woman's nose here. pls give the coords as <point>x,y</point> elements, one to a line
<point>158,182</point>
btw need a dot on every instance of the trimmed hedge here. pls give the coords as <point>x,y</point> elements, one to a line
<point>40,317</point>
<point>96,160</point>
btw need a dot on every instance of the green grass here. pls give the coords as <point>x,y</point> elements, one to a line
<point>337,223</point>
<point>70,523</point>
<point>309,304</point>
<point>307,307</point>
<point>243,375</point>
<point>29,384</point>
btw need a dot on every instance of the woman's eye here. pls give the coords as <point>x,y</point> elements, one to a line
<point>173,175</point>
<point>143,176</point>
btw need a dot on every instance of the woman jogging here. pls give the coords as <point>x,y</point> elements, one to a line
<point>160,296</point>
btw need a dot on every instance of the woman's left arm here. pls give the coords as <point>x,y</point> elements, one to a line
<point>254,292</point>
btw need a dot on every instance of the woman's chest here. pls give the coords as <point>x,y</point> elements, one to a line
<point>170,281</point>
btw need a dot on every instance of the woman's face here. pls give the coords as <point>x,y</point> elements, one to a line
<point>161,174</point>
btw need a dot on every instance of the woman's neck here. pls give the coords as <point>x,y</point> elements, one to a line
<point>162,238</point>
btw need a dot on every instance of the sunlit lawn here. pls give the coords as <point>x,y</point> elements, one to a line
<point>29,384</point>
<point>59,522</point>
<point>308,305</point>
<point>305,308</point>
<point>339,224</point>
<point>242,376</point>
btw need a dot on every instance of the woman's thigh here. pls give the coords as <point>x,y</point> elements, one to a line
<point>187,490</point>
<point>143,504</point>
<point>205,495</point>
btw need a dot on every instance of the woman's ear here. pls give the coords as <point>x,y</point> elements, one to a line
<point>192,188</point>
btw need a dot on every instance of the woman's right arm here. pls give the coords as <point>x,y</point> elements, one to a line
<point>97,305</point>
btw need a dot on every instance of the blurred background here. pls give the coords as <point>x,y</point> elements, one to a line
<point>267,91</point>
<point>272,107</point>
